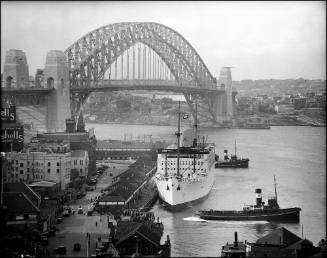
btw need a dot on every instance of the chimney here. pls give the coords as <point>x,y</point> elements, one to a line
<point>258,197</point>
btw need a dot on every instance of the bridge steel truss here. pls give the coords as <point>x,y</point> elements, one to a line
<point>91,56</point>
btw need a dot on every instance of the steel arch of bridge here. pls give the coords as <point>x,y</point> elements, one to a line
<point>91,56</point>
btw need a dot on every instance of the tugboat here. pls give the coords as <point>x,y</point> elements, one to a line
<point>235,250</point>
<point>260,211</point>
<point>232,162</point>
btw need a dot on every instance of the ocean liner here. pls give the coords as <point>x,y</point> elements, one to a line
<point>185,174</point>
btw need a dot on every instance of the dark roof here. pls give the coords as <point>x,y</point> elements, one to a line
<point>18,203</point>
<point>61,136</point>
<point>268,251</point>
<point>24,188</point>
<point>301,243</point>
<point>126,229</point>
<point>123,192</point>
<point>279,236</point>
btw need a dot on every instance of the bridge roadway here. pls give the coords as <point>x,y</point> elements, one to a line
<point>116,85</point>
<point>158,85</point>
<point>24,91</point>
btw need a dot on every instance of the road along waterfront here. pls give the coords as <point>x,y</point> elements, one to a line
<point>295,155</point>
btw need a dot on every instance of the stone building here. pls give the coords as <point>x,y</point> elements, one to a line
<point>38,166</point>
<point>80,162</point>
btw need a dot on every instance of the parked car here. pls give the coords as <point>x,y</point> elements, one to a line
<point>60,250</point>
<point>80,210</point>
<point>77,247</point>
<point>59,220</point>
<point>65,213</point>
<point>44,240</point>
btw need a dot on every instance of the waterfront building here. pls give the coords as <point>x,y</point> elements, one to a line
<point>77,141</point>
<point>80,162</point>
<point>136,239</point>
<point>37,166</point>
<point>282,243</point>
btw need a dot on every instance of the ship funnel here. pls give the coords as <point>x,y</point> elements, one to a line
<point>225,154</point>
<point>235,235</point>
<point>258,197</point>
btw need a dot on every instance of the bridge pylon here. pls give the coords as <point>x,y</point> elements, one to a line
<point>56,76</point>
<point>223,105</point>
<point>15,74</point>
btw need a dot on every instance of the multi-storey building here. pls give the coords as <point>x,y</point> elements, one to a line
<point>38,166</point>
<point>80,162</point>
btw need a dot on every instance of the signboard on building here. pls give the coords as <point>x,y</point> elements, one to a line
<point>8,114</point>
<point>12,137</point>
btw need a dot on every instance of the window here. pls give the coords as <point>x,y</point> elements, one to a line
<point>58,170</point>
<point>49,164</point>
<point>16,162</point>
<point>28,169</point>
<point>75,162</point>
<point>16,168</point>
<point>81,171</point>
<point>81,162</point>
<point>58,164</point>
<point>21,172</point>
<point>49,170</point>
<point>21,165</point>
<point>28,162</point>
<point>28,176</point>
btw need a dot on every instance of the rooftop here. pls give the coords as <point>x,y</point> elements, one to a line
<point>18,203</point>
<point>78,153</point>
<point>279,236</point>
<point>43,184</point>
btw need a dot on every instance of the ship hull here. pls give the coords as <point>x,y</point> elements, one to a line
<point>233,164</point>
<point>182,206</point>
<point>188,193</point>
<point>289,215</point>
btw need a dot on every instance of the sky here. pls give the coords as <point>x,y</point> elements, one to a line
<point>261,40</point>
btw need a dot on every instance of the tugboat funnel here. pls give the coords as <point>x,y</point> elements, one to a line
<point>235,243</point>
<point>258,197</point>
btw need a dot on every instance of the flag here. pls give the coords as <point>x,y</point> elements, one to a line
<point>185,116</point>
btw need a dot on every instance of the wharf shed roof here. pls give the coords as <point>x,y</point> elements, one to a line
<point>19,203</point>
<point>279,236</point>
<point>112,198</point>
<point>124,191</point>
<point>71,137</point>
<point>114,144</point>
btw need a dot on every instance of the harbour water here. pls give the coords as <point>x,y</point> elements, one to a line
<point>295,155</point>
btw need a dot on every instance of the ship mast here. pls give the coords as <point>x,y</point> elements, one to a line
<point>235,148</point>
<point>178,134</point>
<point>195,140</point>
<point>275,189</point>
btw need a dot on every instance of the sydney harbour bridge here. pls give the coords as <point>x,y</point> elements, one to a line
<point>115,57</point>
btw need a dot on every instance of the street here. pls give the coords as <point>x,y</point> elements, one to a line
<point>74,228</point>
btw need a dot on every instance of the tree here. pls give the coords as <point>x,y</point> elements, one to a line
<point>123,105</point>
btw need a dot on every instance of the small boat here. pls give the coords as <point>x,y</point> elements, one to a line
<point>260,211</point>
<point>232,162</point>
<point>235,250</point>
